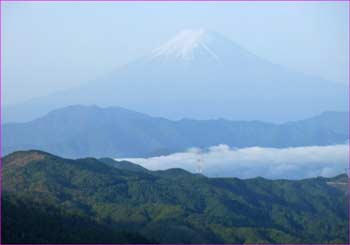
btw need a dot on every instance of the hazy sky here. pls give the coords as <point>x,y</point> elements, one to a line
<point>54,46</point>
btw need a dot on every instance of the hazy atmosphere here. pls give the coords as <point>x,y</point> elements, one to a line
<point>175,122</point>
<point>49,47</point>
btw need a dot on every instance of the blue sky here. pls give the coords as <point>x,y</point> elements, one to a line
<point>53,46</point>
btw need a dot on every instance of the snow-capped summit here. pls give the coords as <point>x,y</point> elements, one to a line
<point>201,74</point>
<point>187,44</point>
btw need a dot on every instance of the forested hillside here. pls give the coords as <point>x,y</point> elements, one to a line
<point>48,199</point>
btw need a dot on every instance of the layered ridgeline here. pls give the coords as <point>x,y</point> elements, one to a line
<point>80,131</point>
<point>49,199</point>
<point>199,74</point>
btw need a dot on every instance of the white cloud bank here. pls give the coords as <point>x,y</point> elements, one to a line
<point>286,163</point>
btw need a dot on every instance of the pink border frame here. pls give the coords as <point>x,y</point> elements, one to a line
<point>173,1</point>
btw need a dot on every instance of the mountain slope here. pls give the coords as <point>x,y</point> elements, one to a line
<point>199,74</point>
<point>174,206</point>
<point>125,165</point>
<point>80,131</point>
<point>24,221</point>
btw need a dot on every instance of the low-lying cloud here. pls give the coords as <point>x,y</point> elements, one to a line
<point>286,163</point>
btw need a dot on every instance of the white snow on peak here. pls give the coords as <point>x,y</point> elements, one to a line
<point>186,43</point>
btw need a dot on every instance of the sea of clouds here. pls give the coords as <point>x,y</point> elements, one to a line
<point>273,163</point>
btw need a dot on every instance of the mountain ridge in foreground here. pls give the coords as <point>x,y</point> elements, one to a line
<point>81,131</point>
<point>205,75</point>
<point>172,206</point>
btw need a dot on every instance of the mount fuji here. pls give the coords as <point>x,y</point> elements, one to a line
<point>202,75</point>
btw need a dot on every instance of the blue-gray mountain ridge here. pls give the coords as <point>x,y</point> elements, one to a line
<point>81,131</point>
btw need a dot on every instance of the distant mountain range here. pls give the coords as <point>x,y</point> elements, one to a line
<point>199,74</point>
<point>80,131</point>
<point>48,199</point>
